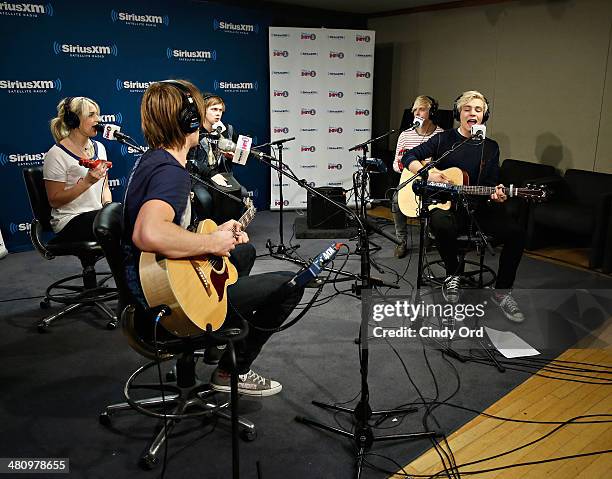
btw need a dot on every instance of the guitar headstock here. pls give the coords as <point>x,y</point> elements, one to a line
<point>533,192</point>
<point>248,203</point>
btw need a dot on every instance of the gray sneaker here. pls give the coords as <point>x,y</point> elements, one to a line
<point>249,384</point>
<point>509,307</point>
<point>450,289</point>
<point>401,250</point>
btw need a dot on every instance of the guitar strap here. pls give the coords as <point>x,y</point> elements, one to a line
<point>485,153</point>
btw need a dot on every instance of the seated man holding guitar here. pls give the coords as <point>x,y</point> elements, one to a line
<point>190,271</point>
<point>479,161</point>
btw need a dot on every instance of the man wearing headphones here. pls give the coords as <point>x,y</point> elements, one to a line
<point>424,107</point>
<point>480,160</point>
<point>157,212</point>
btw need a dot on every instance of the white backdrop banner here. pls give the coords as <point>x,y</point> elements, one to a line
<point>321,93</point>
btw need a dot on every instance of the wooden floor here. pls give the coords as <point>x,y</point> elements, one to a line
<point>537,399</point>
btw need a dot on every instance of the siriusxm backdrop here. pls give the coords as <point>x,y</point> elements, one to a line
<point>110,51</point>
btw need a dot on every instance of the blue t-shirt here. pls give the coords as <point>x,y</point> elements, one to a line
<point>157,175</point>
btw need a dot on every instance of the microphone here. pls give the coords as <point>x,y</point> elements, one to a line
<point>417,122</point>
<point>275,142</point>
<point>314,269</point>
<point>241,149</point>
<point>478,132</point>
<point>111,132</point>
<point>218,128</point>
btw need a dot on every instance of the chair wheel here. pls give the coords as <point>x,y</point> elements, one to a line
<point>104,419</point>
<point>42,327</point>
<point>45,304</point>
<point>148,461</point>
<point>248,435</point>
<point>111,325</point>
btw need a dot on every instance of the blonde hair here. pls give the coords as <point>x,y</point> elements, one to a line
<point>211,100</point>
<point>422,100</point>
<point>468,96</point>
<point>79,105</point>
<point>159,113</point>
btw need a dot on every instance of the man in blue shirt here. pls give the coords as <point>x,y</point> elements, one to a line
<point>480,160</point>
<point>158,210</point>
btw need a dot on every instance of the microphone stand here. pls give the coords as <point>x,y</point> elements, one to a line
<point>362,435</point>
<point>281,250</point>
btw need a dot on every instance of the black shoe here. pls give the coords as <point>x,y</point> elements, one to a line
<point>401,250</point>
<point>213,354</point>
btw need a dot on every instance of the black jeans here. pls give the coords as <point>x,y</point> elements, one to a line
<point>265,302</point>
<point>79,228</point>
<point>494,221</point>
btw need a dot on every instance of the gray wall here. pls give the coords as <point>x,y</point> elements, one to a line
<point>545,66</point>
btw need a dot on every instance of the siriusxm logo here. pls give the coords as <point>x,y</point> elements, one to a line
<point>359,74</point>
<point>229,27</point>
<point>310,148</point>
<point>25,9</point>
<point>191,55</point>
<point>309,92</point>
<point>82,51</point>
<point>30,86</point>
<point>334,183</point>
<point>308,36</point>
<point>132,86</point>
<point>20,228</point>
<point>117,182</point>
<point>278,184</point>
<point>335,37</point>
<point>335,74</point>
<point>281,35</point>
<point>361,130</point>
<point>334,166</point>
<point>236,87</point>
<point>310,54</point>
<point>335,129</point>
<point>276,72</point>
<point>140,20</point>
<point>279,129</point>
<point>363,55</point>
<point>283,93</point>
<point>335,148</point>
<point>284,110</point>
<point>362,38</point>
<point>114,118</point>
<point>309,130</point>
<point>308,111</point>
<point>280,53</point>
<point>309,167</point>
<point>130,150</point>
<point>335,94</point>
<point>362,112</point>
<point>339,55</point>
<point>22,159</point>
<point>362,93</point>
<point>309,73</point>
<point>335,112</point>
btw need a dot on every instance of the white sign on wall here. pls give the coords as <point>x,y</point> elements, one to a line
<point>321,93</point>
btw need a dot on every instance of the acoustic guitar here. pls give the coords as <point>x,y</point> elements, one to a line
<point>194,288</point>
<point>409,201</point>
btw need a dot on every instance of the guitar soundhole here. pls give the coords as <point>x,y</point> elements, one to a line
<point>216,262</point>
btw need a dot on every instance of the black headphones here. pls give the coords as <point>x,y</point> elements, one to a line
<point>189,116</point>
<point>457,114</point>
<point>71,119</point>
<point>433,107</point>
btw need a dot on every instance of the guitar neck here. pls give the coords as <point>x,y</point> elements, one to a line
<point>489,190</point>
<point>247,217</point>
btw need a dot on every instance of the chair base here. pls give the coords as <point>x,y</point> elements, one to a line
<point>199,396</point>
<point>473,275</point>
<point>77,296</point>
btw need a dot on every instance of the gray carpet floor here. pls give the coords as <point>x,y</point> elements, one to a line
<point>54,385</point>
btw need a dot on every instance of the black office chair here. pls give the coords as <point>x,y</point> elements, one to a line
<point>182,387</point>
<point>78,290</point>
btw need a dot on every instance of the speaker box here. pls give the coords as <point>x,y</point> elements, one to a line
<point>323,215</point>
